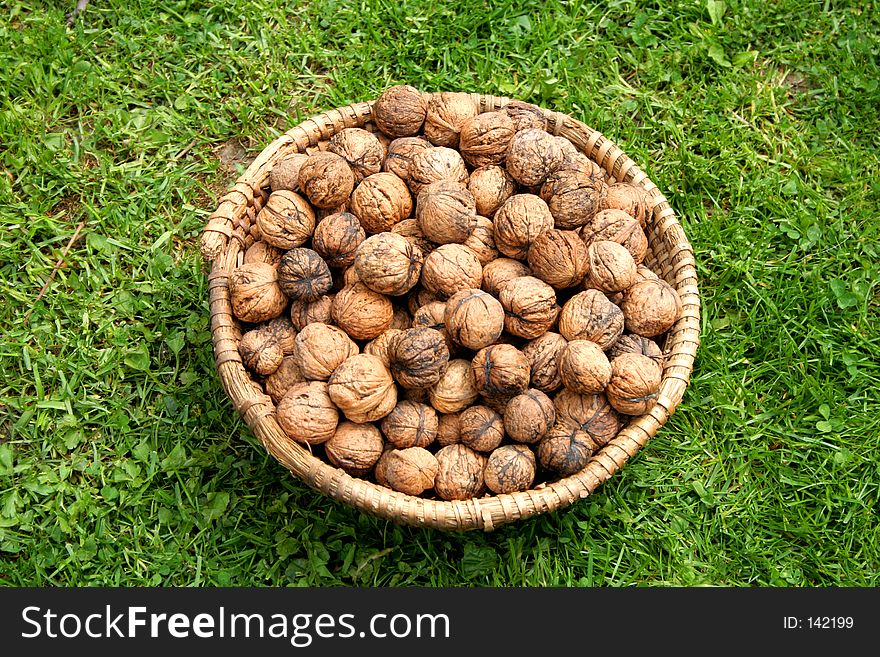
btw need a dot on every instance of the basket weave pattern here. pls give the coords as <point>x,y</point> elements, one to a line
<point>227,235</point>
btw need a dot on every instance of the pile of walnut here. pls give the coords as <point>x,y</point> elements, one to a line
<point>454,305</point>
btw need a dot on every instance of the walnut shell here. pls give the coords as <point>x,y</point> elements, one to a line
<point>485,138</point>
<point>617,226</point>
<point>451,268</point>
<point>589,413</point>
<point>501,270</point>
<point>542,354</point>
<point>559,258</point>
<point>630,198</point>
<point>410,471</point>
<point>303,313</point>
<point>500,370</point>
<point>349,277</point>
<point>337,237</point>
<point>326,179</point>
<point>410,229</point>
<point>381,201</point>
<point>400,154</point>
<point>525,115</point>
<point>530,306</point>
<point>285,174</point>
<point>436,164</point>
<point>380,345</point>
<point>482,241</point>
<point>518,222</point>
<point>574,195</point>
<point>481,428</point>
<point>307,414</point>
<point>474,319</point>
<point>400,111</point>
<point>286,221</point>
<point>260,351</point>
<point>529,416</point>
<point>361,149</point>
<point>283,378</point>
<point>612,268</point>
<point>448,429</point>
<point>650,307</point>
<point>565,450</point>
<point>387,263</point>
<point>362,387</point>
<point>510,468</point>
<point>637,344</point>
<point>446,212</point>
<point>432,315</point>
<point>459,473</point>
<point>355,448</point>
<point>418,357</point>
<point>571,156</point>
<point>320,349</point>
<point>263,252</point>
<point>303,275</point>
<point>447,113</point>
<point>255,293</point>
<point>456,389</point>
<point>491,187</point>
<point>589,315</point>
<point>410,424</point>
<point>634,385</point>
<point>532,156</point>
<point>584,367</point>
<point>360,312</point>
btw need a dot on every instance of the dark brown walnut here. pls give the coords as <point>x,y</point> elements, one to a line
<point>361,149</point>
<point>496,403</point>
<point>451,268</point>
<point>482,241</point>
<point>381,201</point>
<point>559,258</point>
<point>446,212</point>
<point>448,429</point>
<point>637,344</point>
<point>410,424</point>
<point>255,293</point>
<point>326,179</point>
<point>379,346</point>
<point>418,357</point>
<point>447,113</point>
<point>355,448</point>
<point>435,164</point>
<point>491,187</point>
<point>400,111</point>
<point>362,388</point>
<point>304,275</point>
<point>650,307</point>
<point>530,306</point>
<point>565,450</point>
<point>307,414</point>
<point>529,416</point>
<point>260,351</point>
<point>432,315</point>
<point>634,385</point>
<point>612,268</point>
<point>263,252</point>
<point>500,370</point>
<point>410,471</point>
<point>481,428</point>
<point>525,115</point>
<point>630,198</point>
<point>474,319</point>
<point>459,473</point>
<point>456,389</point>
<point>360,312</point>
<point>283,378</point>
<point>400,154</point>
<point>617,226</point>
<point>387,263</point>
<point>574,195</point>
<point>542,354</point>
<point>285,174</point>
<point>589,315</point>
<point>419,395</point>
<point>533,155</point>
<point>518,222</point>
<point>589,413</point>
<point>485,138</point>
<point>283,331</point>
<point>584,367</point>
<point>510,468</point>
<point>409,228</point>
<point>303,313</point>
<point>286,221</point>
<point>501,270</point>
<point>337,237</point>
<point>321,348</point>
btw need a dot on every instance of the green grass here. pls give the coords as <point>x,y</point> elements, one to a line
<point>123,463</point>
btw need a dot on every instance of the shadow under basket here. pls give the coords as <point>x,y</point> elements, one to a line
<point>227,235</point>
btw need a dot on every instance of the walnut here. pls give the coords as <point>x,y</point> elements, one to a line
<point>589,413</point>
<point>632,199</point>
<point>530,306</point>
<point>485,138</point>
<point>589,315</point>
<point>448,429</point>
<point>255,293</point>
<point>481,428</point>
<point>387,263</point>
<point>447,113</point>
<point>326,179</point>
<point>361,149</point>
<point>260,351</point>
<point>565,450</point>
<point>525,115</point>
<point>285,174</point>
<point>456,389</point>
<point>303,313</point>
<point>410,424</point>
<point>584,367</point>
<point>571,156</point>
<point>491,187</point>
<point>482,240</point>
<point>400,154</point>
<point>460,473</point>
<point>542,354</point>
<point>532,156</point>
<point>436,164</point>
<point>287,220</point>
<point>501,270</point>
<point>381,201</point>
<point>574,195</point>
<point>400,111</point>
<point>360,312</point>
<point>280,381</point>
<point>409,228</point>
<point>612,268</point>
<point>617,226</point>
<point>307,414</point>
<point>349,277</point>
<point>451,268</point>
<point>518,222</point>
<point>336,238</point>
<point>304,275</point>
<point>510,468</point>
<point>650,307</point>
<point>635,382</point>
<point>559,258</point>
<point>446,212</point>
<point>379,346</point>
<point>644,273</point>
<point>432,315</point>
<point>528,416</point>
<point>263,252</point>
<point>637,344</point>
<point>355,448</point>
<point>362,387</point>
<point>474,319</point>
<point>410,471</point>
<point>418,357</point>
<point>500,370</point>
<point>321,348</point>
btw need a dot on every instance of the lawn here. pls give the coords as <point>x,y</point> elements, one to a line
<point>123,463</point>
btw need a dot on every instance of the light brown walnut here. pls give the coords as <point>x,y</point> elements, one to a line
<point>485,138</point>
<point>530,306</point>
<point>446,114</point>
<point>381,201</point>
<point>321,348</point>
<point>400,111</point>
<point>451,268</point>
<point>307,414</point>
<point>584,367</point>
<point>362,388</point>
<point>286,221</point>
<point>528,416</point>
<point>255,293</point>
<point>510,468</point>
<point>459,473</point>
<point>542,354</point>
<point>634,385</point>
<point>559,258</point>
<point>651,307</point>
<point>360,312</point>
<point>491,187</point>
<point>533,155</point>
<point>474,319</point>
<point>355,448</point>
<point>326,179</point>
<point>518,222</point>
<point>410,424</point>
<point>337,237</point>
<point>589,315</point>
<point>361,149</point>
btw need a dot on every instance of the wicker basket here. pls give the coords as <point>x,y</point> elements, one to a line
<point>227,234</point>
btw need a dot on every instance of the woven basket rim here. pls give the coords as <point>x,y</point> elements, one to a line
<point>226,235</point>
